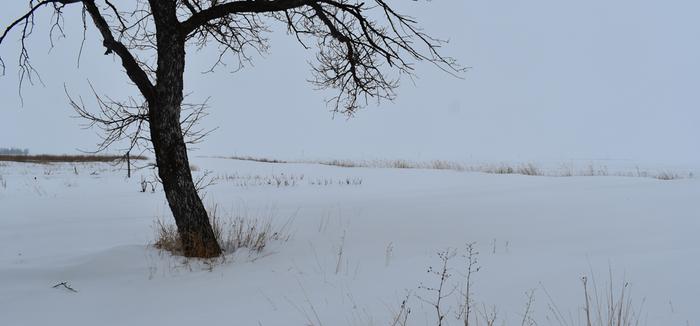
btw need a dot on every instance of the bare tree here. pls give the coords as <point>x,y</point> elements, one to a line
<point>363,49</point>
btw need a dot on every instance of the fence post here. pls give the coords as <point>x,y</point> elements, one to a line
<point>128,165</point>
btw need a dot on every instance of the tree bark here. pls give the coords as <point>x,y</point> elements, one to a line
<point>191,217</point>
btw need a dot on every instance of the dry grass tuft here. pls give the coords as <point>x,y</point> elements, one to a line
<point>667,175</point>
<point>617,309</point>
<point>445,165</point>
<point>529,169</point>
<point>609,305</point>
<point>231,233</point>
<point>167,237</point>
<point>402,164</point>
<point>496,169</point>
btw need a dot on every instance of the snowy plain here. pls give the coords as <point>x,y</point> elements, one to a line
<point>355,248</point>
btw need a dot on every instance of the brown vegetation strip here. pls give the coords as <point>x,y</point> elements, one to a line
<point>65,158</point>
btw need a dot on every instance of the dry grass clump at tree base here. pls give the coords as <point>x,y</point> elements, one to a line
<point>231,233</point>
<point>46,159</point>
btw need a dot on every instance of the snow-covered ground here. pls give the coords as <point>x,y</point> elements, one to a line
<point>361,238</point>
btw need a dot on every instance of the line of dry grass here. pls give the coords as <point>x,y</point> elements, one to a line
<point>392,164</point>
<point>254,159</point>
<point>529,169</point>
<point>46,159</point>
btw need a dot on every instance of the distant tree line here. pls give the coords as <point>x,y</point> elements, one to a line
<point>13,151</point>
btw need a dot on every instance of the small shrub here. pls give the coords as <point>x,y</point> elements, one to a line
<point>146,184</point>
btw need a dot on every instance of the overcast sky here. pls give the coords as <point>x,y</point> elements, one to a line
<point>550,80</point>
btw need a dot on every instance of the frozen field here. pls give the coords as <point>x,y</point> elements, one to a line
<point>360,240</point>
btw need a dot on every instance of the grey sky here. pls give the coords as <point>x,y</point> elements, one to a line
<point>550,80</point>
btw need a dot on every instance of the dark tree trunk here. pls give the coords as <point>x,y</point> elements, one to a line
<point>190,215</point>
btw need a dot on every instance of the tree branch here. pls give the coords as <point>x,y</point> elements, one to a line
<point>133,70</point>
<point>31,11</point>
<point>237,7</point>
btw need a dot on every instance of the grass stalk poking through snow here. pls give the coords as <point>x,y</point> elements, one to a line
<point>607,306</point>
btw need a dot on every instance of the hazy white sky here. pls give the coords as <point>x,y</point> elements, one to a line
<point>550,80</point>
